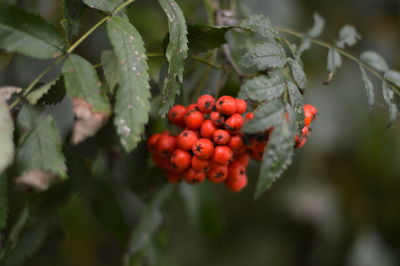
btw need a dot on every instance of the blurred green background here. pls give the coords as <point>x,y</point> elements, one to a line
<point>339,202</point>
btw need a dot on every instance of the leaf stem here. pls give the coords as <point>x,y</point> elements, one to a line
<point>341,51</point>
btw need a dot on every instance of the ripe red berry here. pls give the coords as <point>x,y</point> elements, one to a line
<point>234,122</point>
<point>306,131</point>
<point>236,184</point>
<point>217,173</point>
<point>166,144</point>
<point>257,149</point>
<point>236,169</point>
<point>221,137</point>
<point>180,160</point>
<point>199,164</point>
<point>243,159</point>
<point>207,129</point>
<point>206,103</point>
<point>236,142</point>
<point>226,105</point>
<point>313,111</point>
<point>222,155</point>
<point>187,139</point>
<point>217,118</point>
<point>300,142</point>
<point>249,116</point>
<point>152,142</point>
<point>308,118</point>
<point>203,148</point>
<point>192,177</point>
<point>174,177</point>
<point>241,106</point>
<point>194,119</point>
<point>176,114</point>
<point>192,107</point>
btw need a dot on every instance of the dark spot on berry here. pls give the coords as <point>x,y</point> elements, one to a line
<point>198,148</point>
<point>185,134</point>
<point>221,102</point>
<point>214,109</point>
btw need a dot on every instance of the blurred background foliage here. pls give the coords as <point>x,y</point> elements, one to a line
<point>338,204</point>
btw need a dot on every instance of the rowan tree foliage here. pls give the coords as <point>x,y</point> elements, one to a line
<point>116,106</point>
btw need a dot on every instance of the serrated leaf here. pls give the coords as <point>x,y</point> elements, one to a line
<point>388,96</point>
<point>348,35</point>
<point>204,37</point>
<point>261,25</point>
<point>73,10</point>
<point>37,94</point>
<point>150,220</point>
<point>369,87</point>
<point>3,201</point>
<point>265,116</point>
<point>82,82</point>
<point>110,66</point>
<point>297,102</point>
<point>29,34</point>
<point>374,60</point>
<point>263,56</point>
<point>278,153</point>
<point>263,88</point>
<point>177,52</point>
<point>132,98</point>
<point>334,60</point>
<point>6,136</point>
<point>103,5</point>
<point>40,145</point>
<point>298,73</point>
<point>318,27</point>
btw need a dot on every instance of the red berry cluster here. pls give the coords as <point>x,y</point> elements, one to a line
<point>310,113</point>
<point>210,146</point>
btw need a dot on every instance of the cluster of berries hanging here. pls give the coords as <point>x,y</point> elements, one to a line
<point>210,146</point>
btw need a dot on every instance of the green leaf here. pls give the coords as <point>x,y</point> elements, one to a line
<point>40,145</point>
<point>388,96</point>
<point>348,35</point>
<point>265,116</point>
<point>37,94</point>
<point>3,201</point>
<point>263,88</point>
<point>73,10</point>
<point>297,102</point>
<point>103,5</point>
<point>6,136</point>
<point>204,37</point>
<point>261,25</point>
<point>318,27</point>
<point>278,153</point>
<point>28,34</point>
<point>334,60</point>
<point>150,220</point>
<point>393,76</point>
<point>369,87</point>
<point>82,82</point>
<point>110,66</point>
<point>374,60</point>
<point>298,73</point>
<point>132,98</point>
<point>263,56</point>
<point>177,52</point>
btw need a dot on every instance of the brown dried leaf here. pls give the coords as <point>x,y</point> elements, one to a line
<point>87,122</point>
<point>7,91</point>
<point>37,179</point>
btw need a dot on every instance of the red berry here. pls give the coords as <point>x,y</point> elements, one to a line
<point>207,129</point>
<point>206,103</point>
<point>203,148</point>
<point>221,137</point>
<point>194,119</point>
<point>161,162</point>
<point>222,155</point>
<point>226,105</point>
<point>187,139</point>
<point>249,116</point>
<point>166,144</point>
<point>174,177</point>
<point>308,118</point>
<point>152,142</point>
<point>192,107</point>
<point>176,114</point>
<point>236,169</point>
<point>234,122</point>
<point>243,159</point>
<point>241,106</point>
<point>180,160</point>
<point>192,177</point>
<point>217,118</point>
<point>313,111</point>
<point>257,149</point>
<point>199,164</point>
<point>306,131</point>
<point>217,173</point>
<point>300,142</point>
<point>236,184</point>
<point>236,142</point>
